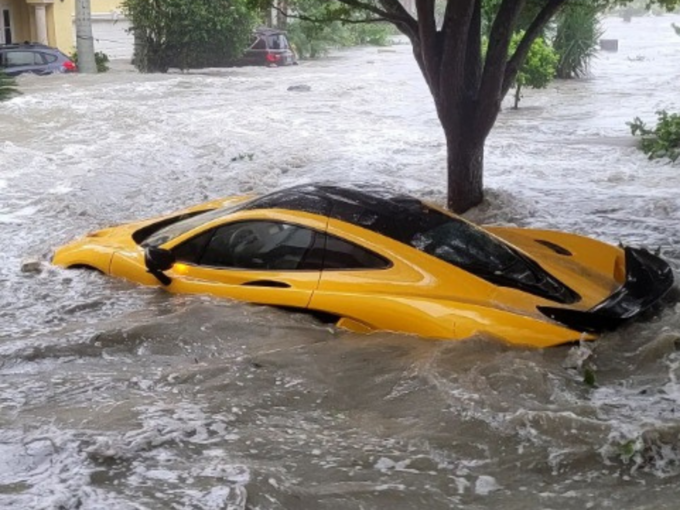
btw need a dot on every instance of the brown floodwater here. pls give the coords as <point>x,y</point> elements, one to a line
<point>121,397</point>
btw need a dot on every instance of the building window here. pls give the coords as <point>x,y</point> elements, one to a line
<point>6,27</point>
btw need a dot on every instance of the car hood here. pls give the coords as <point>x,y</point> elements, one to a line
<point>123,233</point>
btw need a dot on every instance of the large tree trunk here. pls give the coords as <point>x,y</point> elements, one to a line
<point>452,68</point>
<point>465,152</point>
<point>465,166</point>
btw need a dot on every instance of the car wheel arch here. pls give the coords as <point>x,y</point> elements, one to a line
<point>85,267</point>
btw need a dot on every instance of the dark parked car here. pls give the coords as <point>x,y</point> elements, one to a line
<point>268,47</point>
<point>34,58</point>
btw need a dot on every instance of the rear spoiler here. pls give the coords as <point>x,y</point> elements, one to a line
<point>648,279</point>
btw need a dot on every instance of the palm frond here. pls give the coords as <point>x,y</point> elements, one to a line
<point>8,87</point>
<point>576,40</point>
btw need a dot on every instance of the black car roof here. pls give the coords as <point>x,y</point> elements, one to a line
<point>268,31</point>
<point>37,46</point>
<point>376,209</point>
<point>408,220</point>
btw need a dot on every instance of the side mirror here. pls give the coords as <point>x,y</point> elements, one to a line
<point>158,260</point>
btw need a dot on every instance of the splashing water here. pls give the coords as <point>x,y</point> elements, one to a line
<point>120,397</point>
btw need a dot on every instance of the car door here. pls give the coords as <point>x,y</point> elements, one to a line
<point>24,61</point>
<point>51,64</point>
<point>353,280</point>
<point>267,262</point>
<point>368,290</point>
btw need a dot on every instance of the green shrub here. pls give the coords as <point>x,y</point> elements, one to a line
<point>538,69</point>
<point>188,33</point>
<point>7,87</point>
<point>664,140</point>
<point>313,40</point>
<point>370,34</point>
<point>576,40</point>
<point>100,58</point>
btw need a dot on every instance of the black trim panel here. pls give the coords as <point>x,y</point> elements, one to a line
<point>648,279</point>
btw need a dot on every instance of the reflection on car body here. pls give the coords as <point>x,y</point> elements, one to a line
<point>375,260</point>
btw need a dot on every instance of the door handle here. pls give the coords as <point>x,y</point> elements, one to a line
<point>267,283</point>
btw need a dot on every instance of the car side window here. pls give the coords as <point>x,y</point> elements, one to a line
<point>274,42</point>
<point>264,245</point>
<point>341,254</point>
<point>21,58</point>
<point>283,42</point>
<point>191,251</point>
<point>47,58</point>
<point>260,44</point>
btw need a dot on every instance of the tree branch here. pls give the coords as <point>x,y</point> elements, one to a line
<point>496,62</point>
<point>392,11</point>
<point>396,8</point>
<point>302,17</point>
<point>473,57</point>
<point>368,7</point>
<point>406,23</point>
<point>455,33</point>
<point>534,30</point>
<point>426,21</point>
<point>427,31</point>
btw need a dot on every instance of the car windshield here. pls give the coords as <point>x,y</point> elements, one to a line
<point>426,228</point>
<point>179,228</point>
<point>461,244</point>
<point>278,42</point>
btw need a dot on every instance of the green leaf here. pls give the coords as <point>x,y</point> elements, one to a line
<point>664,140</point>
<point>628,449</point>
<point>8,87</point>
<point>589,377</point>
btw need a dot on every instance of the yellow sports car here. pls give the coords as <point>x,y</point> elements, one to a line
<point>371,260</point>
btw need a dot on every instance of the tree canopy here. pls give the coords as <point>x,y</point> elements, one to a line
<point>467,86</point>
<point>576,40</point>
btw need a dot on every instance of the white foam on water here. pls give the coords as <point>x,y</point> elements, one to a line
<point>78,153</point>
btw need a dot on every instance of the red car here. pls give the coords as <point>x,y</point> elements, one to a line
<point>268,47</point>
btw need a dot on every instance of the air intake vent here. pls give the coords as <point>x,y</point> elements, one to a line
<point>554,247</point>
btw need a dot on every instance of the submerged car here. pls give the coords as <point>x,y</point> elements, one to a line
<point>34,58</point>
<point>373,260</point>
<point>268,47</point>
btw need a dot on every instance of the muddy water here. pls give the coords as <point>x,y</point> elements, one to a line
<point>119,397</point>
